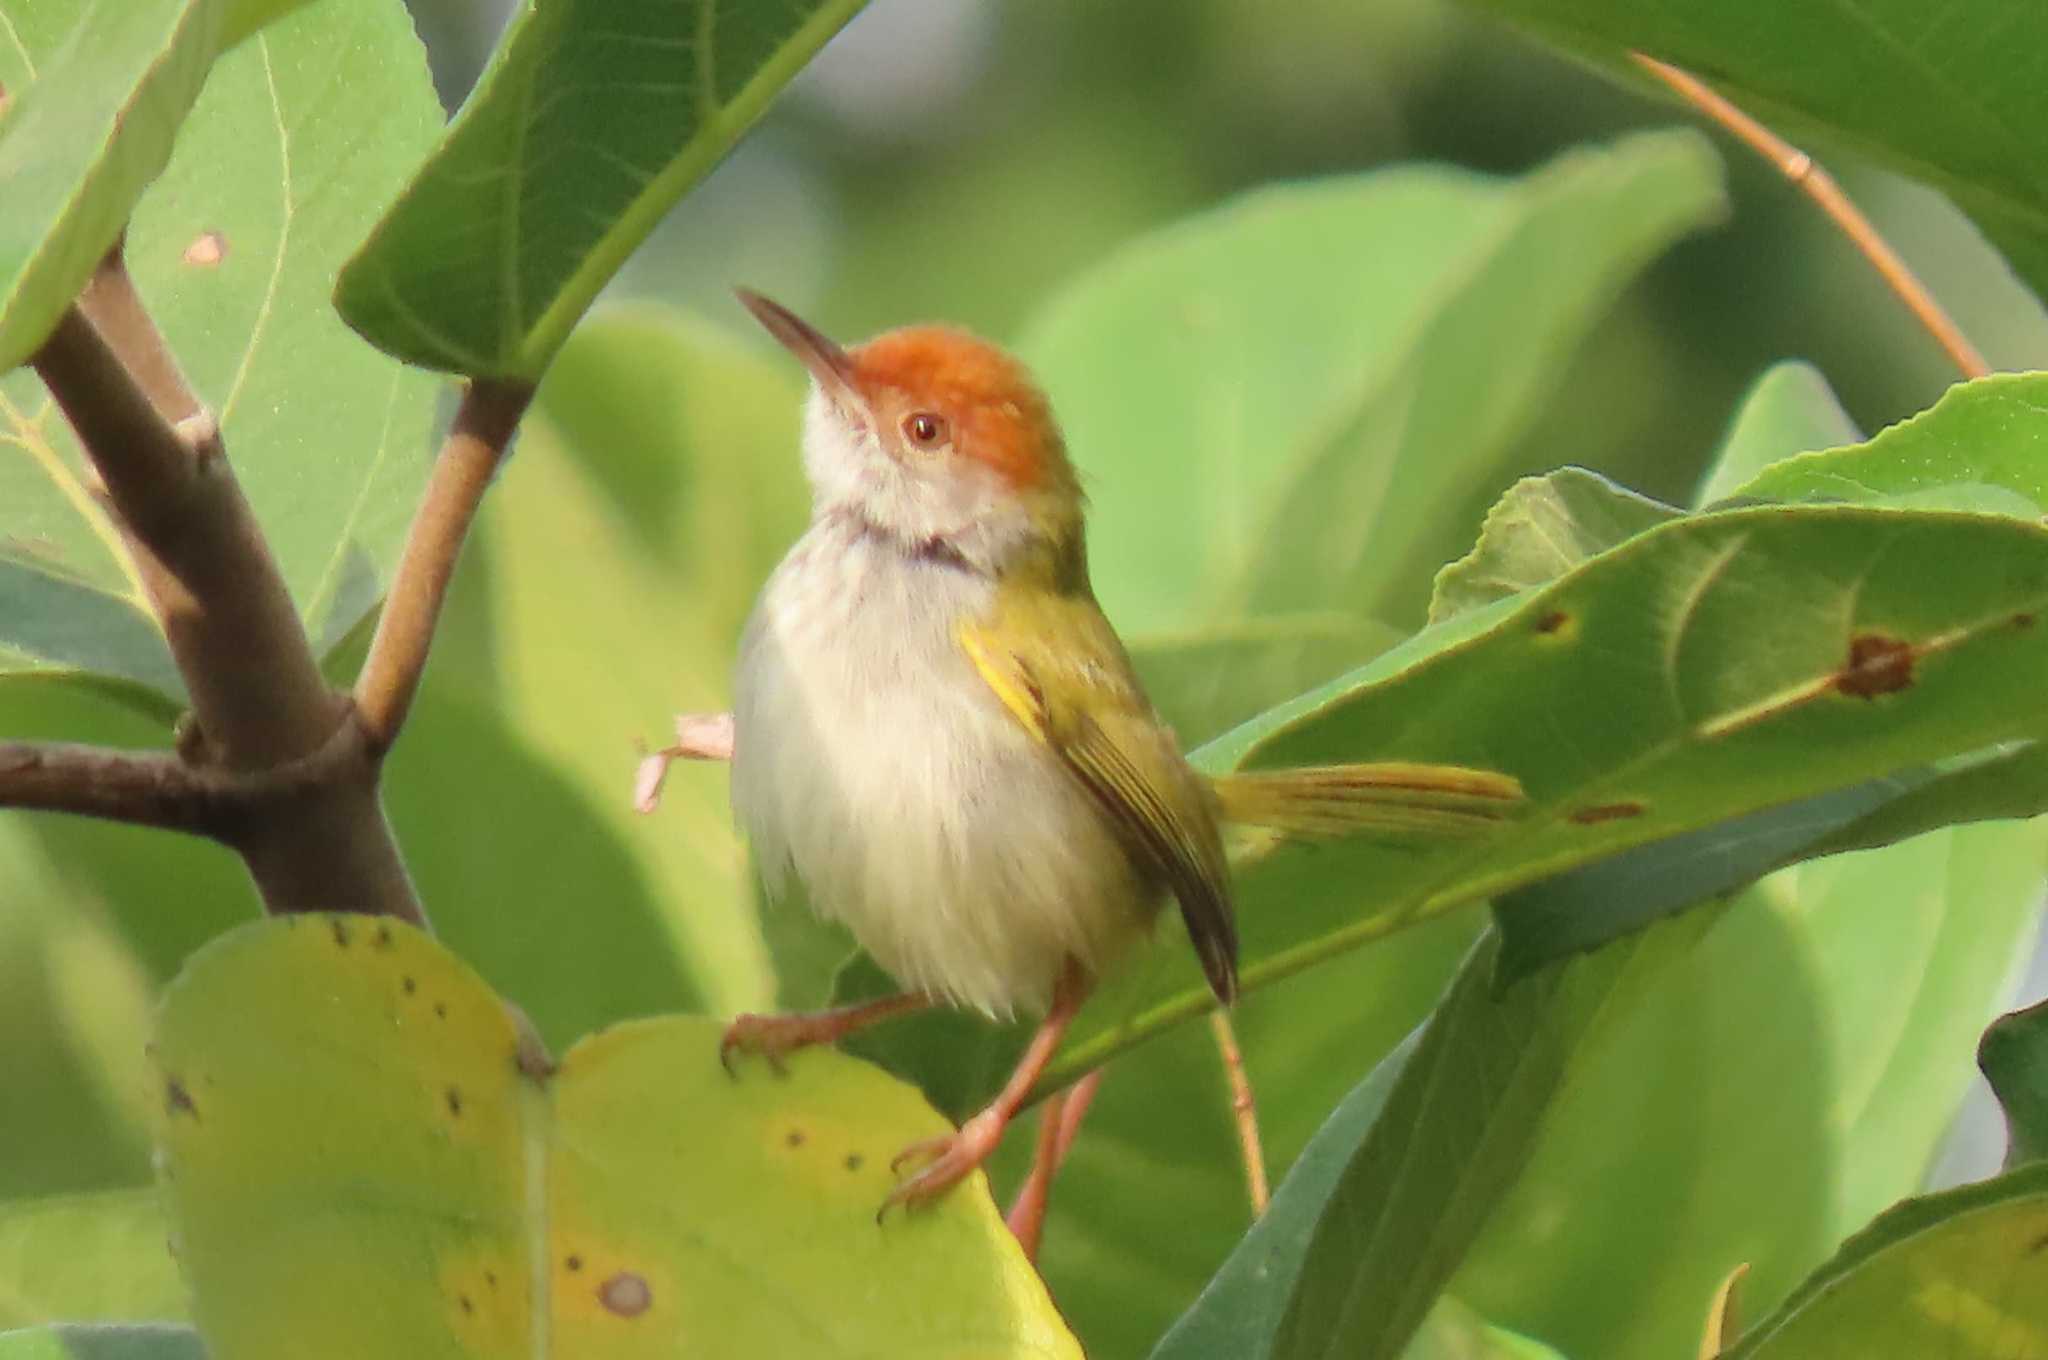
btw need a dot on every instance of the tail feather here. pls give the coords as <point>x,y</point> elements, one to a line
<point>1392,798</point>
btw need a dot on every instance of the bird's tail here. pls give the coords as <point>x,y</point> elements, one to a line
<point>1388,799</point>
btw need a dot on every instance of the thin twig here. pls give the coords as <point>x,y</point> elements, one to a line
<point>1820,186</point>
<point>257,695</point>
<point>1243,1110</point>
<point>141,788</point>
<point>484,424</point>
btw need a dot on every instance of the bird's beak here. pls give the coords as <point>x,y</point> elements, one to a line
<point>818,352</point>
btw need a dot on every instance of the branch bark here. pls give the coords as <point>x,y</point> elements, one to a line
<point>258,698</point>
<point>476,445</point>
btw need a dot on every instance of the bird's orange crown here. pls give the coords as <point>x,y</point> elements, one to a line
<point>997,413</point>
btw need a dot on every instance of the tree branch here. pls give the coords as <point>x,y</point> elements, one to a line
<point>257,693</point>
<point>476,445</point>
<point>1244,1112</point>
<point>1820,186</point>
<point>141,788</point>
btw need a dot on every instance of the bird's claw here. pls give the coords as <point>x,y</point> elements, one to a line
<point>767,1036</point>
<point>948,1160</point>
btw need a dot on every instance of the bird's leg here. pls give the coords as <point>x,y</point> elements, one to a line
<point>772,1036</point>
<point>1059,1119</point>
<point>699,736</point>
<point>949,1159</point>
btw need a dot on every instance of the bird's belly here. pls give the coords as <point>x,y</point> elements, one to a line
<point>874,761</point>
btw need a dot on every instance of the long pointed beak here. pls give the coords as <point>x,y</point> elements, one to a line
<point>818,352</point>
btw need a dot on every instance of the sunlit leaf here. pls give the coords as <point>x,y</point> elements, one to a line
<point>104,1255</point>
<point>351,1115</point>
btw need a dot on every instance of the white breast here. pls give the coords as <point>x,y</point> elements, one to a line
<point>872,759</point>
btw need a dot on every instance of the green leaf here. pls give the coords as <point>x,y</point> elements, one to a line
<point>589,943</point>
<point>1984,445</point>
<point>1951,96</point>
<point>1541,529</point>
<point>104,1255</point>
<point>1230,379</point>
<point>1354,1252</point>
<point>1701,671</point>
<point>1455,1332</point>
<point>96,91</point>
<point>619,563</point>
<point>300,135</point>
<point>1960,1275</point>
<point>634,1200</point>
<point>1208,681</point>
<point>1789,410</point>
<point>2014,1056</point>
<point>93,1341</point>
<point>588,125</point>
<point>1787,1079</point>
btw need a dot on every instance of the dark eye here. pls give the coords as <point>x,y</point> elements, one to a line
<point>924,429</point>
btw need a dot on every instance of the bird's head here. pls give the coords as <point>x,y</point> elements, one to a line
<point>935,438</point>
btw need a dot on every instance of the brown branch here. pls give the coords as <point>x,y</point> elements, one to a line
<point>258,698</point>
<point>1820,186</point>
<point>476,444</point>
<point>141,788</point>
<point>1244,1111</point>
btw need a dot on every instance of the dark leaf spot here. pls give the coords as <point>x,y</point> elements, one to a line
<point>340,933</point>
<point>383,937</point>
<point>2023,620</point>
<point>455,1102</point>
<point>625,1294</point>
<point>491,1278</point>
<point>853,1161</point>
<point>1553,621</point>
<point>467,1306</point>
<point>410,986</point>
<point>1877,665</point>
<point>2037,1246</point>
<point>795,1138</point>
<point>1606,812</point>
<point>208,248</point>
<point>178,1100</point>
<point>440,1010</point>
<point>574,1262</point>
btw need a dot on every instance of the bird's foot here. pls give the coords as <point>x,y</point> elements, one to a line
<point>773,1037</point>
<point>946,1160</point>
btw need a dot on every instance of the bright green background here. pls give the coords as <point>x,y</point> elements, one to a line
<point>998,165</point>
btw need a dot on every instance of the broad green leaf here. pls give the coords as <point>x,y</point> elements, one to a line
<point>1208,681</point>
<point>1789,410</point>
<point>1792,1076</point>
<point>1959,1275</point>
<point>2014,1056</point>
<point>1707,669</point>
<point>1225,382</point>
<point>1541,529</point>
<point>95,90</point>
<point>1982,440</point>
<point>589,124</point>
<point>95,1341</point>
<point>1355,1250</point>
<point>621,558</point>
<point>2008,781</point>
<point>1951,95</point>
<point>1455,1332</point>
<point>588,945</point>
<point>104,1256</point>
<point>300,135</point>
<point>634,1200</point>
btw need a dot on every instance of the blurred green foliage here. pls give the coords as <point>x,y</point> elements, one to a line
<point>1763,1090</point>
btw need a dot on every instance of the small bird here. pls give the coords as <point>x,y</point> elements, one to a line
<point>938,731</point>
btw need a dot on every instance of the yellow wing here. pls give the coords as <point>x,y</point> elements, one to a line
<point>1061,671</point>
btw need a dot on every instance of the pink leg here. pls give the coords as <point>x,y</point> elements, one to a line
<point>772,1036</point>
<point>1059,1119</point>
<point>699,736</point>
<point>950,1159</point>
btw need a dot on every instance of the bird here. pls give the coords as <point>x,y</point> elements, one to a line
<point>937,730</point>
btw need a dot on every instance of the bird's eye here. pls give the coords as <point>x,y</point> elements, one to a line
<point>924,429</point>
